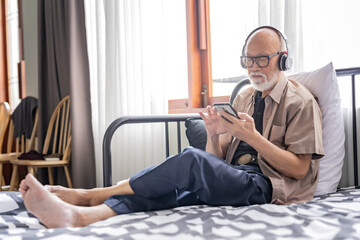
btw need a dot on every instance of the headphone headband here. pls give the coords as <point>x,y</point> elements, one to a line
<point>285,62</point>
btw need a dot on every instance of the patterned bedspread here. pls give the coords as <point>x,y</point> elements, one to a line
<point>332,216</point>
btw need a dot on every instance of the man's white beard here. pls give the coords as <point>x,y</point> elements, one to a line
<point>266,84</point>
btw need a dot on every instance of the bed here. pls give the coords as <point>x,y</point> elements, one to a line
<point>333,215</point>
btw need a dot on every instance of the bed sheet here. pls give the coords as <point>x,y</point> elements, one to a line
<point>331,216</point>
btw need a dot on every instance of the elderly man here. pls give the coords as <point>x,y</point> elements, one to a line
<point>269,153</point>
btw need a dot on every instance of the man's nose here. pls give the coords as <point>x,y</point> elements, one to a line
<point>254,67</point>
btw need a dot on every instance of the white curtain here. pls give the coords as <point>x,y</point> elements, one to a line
<point>286,16</point>
<point>126,57</point>
<point>329,30</point>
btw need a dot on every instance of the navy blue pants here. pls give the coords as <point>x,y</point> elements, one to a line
<point>193,177</point>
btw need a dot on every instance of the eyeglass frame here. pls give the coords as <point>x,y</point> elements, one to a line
<point>255,59</point>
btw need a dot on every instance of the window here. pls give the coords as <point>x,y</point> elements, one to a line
<point>10,38</point>
<point>216,30</point>
<point>4,92</point>
<point>198,58</point>
<point>230,25</point>
<point>12,19</point>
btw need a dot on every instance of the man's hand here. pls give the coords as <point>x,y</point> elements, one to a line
<point>243,128</point>
<point>213,122</point>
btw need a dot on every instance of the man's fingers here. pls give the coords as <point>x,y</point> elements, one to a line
<point>212,110</point>
<point>202,115</point>
<point>244,116</point>
<point>229,116</point>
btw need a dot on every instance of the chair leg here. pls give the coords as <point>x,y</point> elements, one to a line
<point>13,177</point>
<point>3,180</point>
<point>1,177</point>
<point>51,178</point>
<point>35,173</point>
<point>31,171</point>
<point>68,178</point>
<point>2,183</point>
<point>17,183</point>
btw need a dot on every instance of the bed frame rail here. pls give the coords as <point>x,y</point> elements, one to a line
<point>352,72</point>
<point>166,119</point>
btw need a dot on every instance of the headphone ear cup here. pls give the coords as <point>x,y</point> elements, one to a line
<point>285,62</point>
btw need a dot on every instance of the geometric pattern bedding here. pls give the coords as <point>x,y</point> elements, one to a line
<point>331,216</point>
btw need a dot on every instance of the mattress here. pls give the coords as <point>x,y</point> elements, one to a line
<point>330,216</point>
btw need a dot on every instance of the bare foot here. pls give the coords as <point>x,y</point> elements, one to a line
<point>72,196</point>
<point>54,212</point>
<point>51,211</point>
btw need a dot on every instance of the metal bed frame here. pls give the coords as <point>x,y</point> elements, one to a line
<point>178,118</point>
<point>352,72</point>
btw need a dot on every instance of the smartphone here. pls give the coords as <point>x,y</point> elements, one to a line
<point>227,108</point>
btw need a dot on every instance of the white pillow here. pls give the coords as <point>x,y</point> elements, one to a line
<point>322,83</point>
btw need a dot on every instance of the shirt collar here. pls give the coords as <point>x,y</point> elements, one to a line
<point>278,89</point>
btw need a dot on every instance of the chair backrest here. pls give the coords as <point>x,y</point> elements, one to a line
<point>23,126</point>
<point>58,135</point>
<point>22,143</point>
<point>4,121</point>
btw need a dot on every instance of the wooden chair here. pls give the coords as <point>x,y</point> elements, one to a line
<point>22,143</point>
<point>57,141</point>
<point>4,122</point>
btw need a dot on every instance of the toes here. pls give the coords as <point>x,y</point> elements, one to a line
<point>22,192</point>
<point>31,180</point>
<point>23,184</point>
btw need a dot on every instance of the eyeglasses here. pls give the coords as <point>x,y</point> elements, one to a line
<point>261,61</point>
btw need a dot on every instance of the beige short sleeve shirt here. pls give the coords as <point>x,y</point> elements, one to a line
<point>292,121</point>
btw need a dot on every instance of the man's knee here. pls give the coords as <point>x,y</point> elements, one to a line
<point>193,154</point>
<point>196,156</point>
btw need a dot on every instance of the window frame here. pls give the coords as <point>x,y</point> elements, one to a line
<point>200,82</point>
<point>4,54</point>
<point>11,91</point>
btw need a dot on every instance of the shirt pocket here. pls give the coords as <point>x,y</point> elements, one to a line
<point>277,135</point>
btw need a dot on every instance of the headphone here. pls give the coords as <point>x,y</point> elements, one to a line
<point>285,62</point>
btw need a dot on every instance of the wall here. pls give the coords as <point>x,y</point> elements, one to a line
<point>30,46</point>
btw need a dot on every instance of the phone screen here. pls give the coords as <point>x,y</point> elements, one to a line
<point>226,107</point>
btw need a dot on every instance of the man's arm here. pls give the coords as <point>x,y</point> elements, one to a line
<point>218,145</point>
<point>290,164</point>
<point>286,162</point>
